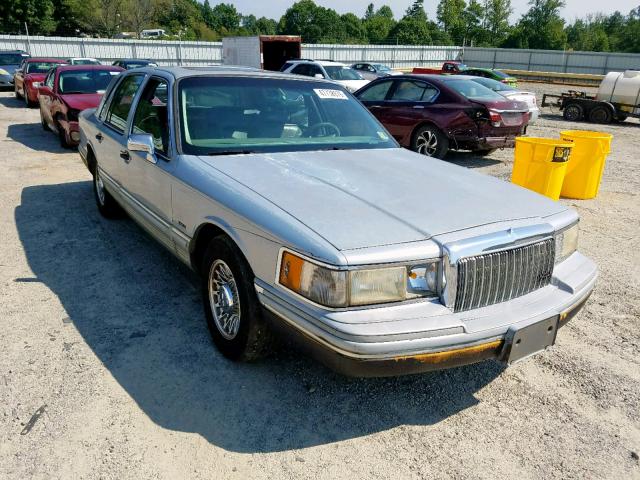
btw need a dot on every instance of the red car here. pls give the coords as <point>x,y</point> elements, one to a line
<point>432,114</point>
<point>66,91</point>
<point>32,71</point>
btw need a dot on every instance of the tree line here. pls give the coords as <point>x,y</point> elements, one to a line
<point>482,23</point>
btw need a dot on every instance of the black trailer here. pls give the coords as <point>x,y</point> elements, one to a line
<point>576,106</point>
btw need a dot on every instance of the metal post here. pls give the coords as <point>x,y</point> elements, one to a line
<point>28,38</point>
<point>606,64</point>
<point>495,53</point>
<point>529,61</point>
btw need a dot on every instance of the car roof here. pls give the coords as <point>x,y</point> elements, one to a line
<point>226,71</point>
<point>319,62</point>
<point>134,60</point>
<point>82,58</point>
<point>67,68</point>
<point>21,52</point>
<point>45,59</point>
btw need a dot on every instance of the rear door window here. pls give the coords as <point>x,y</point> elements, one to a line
<point>302,69</point>
<point>377,92</point>
<point>120,105</point>
<point>413,91</point>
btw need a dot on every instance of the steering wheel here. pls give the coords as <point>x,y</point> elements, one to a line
<point>326,126</point>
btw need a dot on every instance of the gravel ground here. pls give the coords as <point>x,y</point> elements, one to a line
<point>107,370</point>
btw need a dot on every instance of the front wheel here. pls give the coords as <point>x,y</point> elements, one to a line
<point>573,112</point>
<point>231,305</point>
<point>107,205</point>
<point>429,140</point>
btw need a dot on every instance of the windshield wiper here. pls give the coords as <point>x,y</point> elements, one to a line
<point>229,152</point>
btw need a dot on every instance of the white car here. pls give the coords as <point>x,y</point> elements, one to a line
<point>338,72</point>
<point>511,93</point>
<point>83,61</point>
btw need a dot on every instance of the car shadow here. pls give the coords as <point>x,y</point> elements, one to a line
<point>32,136</point>
<point>12,102</point>
<point>470,159</point>
<point>140,312</point>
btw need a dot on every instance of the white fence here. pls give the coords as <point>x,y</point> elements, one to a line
<point>399,56</point>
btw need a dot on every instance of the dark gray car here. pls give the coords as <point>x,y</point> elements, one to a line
<point>10,60</point>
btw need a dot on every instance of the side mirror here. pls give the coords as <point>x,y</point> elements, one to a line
<point>43,89</point>
<point>143,143</point>
<point>318,75</point>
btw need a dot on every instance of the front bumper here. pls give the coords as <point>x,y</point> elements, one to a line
<point>72,131</point>
<point>425,335</point>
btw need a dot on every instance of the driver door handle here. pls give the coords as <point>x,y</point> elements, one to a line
<point>124,154</point>
<point>99,137</point>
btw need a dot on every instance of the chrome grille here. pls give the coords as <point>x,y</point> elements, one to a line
<point>497,277</point>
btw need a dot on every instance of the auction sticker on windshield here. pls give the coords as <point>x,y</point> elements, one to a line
<point>330,94</point>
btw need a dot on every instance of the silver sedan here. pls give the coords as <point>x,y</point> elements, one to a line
<point>302,215</point>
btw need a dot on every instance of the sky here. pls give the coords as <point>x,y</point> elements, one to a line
<point>275,8</point>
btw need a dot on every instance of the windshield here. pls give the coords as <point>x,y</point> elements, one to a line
<point>381,68</point>
<point>84,61</point>
<point>494,85</point>
<point>85,81</point>
<point>244,115</point>
<point>41,67</point>
<point>342,73</point>
<point>10,58</point>
<point>473,90</point>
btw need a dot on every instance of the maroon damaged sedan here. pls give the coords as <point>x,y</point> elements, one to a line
<point>66,91</point>
<point>432,114</point>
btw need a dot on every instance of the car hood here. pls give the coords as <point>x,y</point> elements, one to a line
<point>82,101</point>
<point>366,198</point>
<point>35,77</point>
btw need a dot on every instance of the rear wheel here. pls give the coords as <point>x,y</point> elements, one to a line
<point>233,312</point>
<point>429,140</point>
<point>28,102</point>
<point>107,205</point>
<point>600,114</point>
<point>573,112</point>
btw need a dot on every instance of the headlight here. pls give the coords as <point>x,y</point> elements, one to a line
<point>566,242</point>
<point>341,288</point>
<point>3,72</point>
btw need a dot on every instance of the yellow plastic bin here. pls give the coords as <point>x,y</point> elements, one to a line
<point>586,163</point>
<point>540,164</point>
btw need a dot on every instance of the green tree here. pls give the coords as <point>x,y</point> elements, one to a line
<point>542,27</point>
<point>225,17</point>
<point>496,19</point>
<point>451,16</point>
<point>412,29</point>
<point>353,28</point>
<point>315,24</point>
<point>370,12</point>
<point>379,25</point>
<point>38,14</point>
<point>473,15</point>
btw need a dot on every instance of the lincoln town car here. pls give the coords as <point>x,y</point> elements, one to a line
<point>303,216</point>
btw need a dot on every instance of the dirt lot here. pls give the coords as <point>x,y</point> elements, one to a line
<point>107,370</point>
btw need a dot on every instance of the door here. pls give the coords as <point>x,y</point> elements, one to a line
<point>111,139</point>
<point>375,99</point>
<point>149,176</point>
<point>408,104</point>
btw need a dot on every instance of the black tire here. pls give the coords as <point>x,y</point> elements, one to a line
<point>64,143</point>
<point>430,141</point>
<point>107,205</point>
<point>600,114</point>
<point>238,327</point>
<point>621,117</point>
<point>28,102</point>
<point>573,112</point>
<point>45,125</point>
<point>484,153</point>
